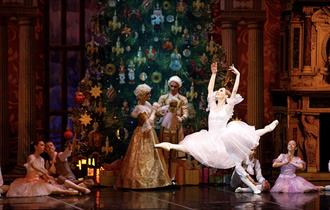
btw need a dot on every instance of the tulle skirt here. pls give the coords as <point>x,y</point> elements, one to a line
<point>24,187</point>
<point>292,184</point>
<point>223,148</point>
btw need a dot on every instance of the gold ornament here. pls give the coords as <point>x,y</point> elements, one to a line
<point>95,91</point>
<point>100,109</point>
<point>85,119</point>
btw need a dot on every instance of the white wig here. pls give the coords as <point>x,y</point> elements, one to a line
<point>142,89</point>
<point>175,79</point>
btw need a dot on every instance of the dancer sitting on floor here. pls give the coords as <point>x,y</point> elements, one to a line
<point>58,166</point>
<point>249,169</point>
<point>37,182</point>
<point>288,181</point>
<point>224,145</point>
<point>3,188</point>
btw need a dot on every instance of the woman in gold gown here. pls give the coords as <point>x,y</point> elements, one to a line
<point>143,166</point>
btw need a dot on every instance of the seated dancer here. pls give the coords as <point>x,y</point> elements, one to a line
<point>58,166</point>
<point>3,188</point>
<point>37,182</point>
<point>249,169</point>
<point>223,145</point>
<point>288,181</point>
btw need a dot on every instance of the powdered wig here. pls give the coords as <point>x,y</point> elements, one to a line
<point>142,89</point>
<point>175,79</point>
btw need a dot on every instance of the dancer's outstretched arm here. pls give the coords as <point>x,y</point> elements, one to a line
<point>236,84</point>
<point>214,69</point>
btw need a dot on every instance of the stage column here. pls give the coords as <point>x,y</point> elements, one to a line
<point>26,90</point>
<point>4,135</point>
<point>228,36</point>
<point>255,93</point>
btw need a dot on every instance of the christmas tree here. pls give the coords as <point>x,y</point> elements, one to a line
<point>136,42</point>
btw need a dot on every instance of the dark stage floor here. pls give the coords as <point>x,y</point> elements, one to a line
<point>185,197</point>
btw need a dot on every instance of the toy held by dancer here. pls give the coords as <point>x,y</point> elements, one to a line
<point>224,145</point>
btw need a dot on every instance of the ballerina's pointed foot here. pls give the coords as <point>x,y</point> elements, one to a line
<point>272,125</point>
<point>257,191</point>
<point>164,145</point>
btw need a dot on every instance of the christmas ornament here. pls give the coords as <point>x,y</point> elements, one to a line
<point>114,24</point>
<point>131,72</point>
<point>143,76</point>
<point>112,3</point>
<point>157,18</point>
<point>122,133</point>
<point>122,72</point>
<point>126,31</point>
<point>191,94</point>
<point>79,97</point>
<point>107,149</point>
<point>85,119</point>
<point>203,59</point>
<point>156,77</point>
<point>176,28</point>
<point>118,50</point>
<point>100,109</point>
<point>175,63</point>
<point>167,5</point>
<point>68,134</point>
<point>146,4</point>
<point>91,48</point>
<point>109,69</point>
<point>125,108</point>
<point>170,18</point>
<point>212,47</point>
<point>186,53</point>
<point>96,91</point>
<point>139,58</point>
<point>94,136</point>
<point>167,45</point>
<point>111,93</point>
<point>181,7</point>
<point>197,6</point>
<point>151,53</point>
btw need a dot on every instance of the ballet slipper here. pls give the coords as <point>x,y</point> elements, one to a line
<point>86,191</point>
<point>72,192</point>
<point>163,145</point>
<point>272,125</point>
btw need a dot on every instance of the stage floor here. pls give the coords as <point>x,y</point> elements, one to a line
<point>185,197</point>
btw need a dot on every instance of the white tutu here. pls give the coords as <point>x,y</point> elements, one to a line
<point>224,145</point>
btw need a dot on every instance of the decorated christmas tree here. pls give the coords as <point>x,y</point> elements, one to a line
<point>136,42</point>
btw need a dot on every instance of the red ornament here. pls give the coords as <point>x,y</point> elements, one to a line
<point>68,134</point>
<point>79,97</point>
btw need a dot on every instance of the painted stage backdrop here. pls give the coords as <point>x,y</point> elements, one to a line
<point>135,42</point>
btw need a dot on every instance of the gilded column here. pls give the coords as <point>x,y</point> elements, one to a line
<point>3,91</point>
<point>228,36</point>
<point>255,93</point>
<point>26,90</point>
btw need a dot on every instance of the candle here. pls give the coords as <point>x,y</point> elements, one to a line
<point>83,161</point>
<point>90,171</point>
<point>89,161</point>
<point>93,161</point>
<point>107,142</point>
<point>98,175</point>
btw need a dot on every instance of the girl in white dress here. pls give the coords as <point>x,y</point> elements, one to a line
<point>223,145</point>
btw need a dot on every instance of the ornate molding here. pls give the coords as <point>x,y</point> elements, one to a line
<point>322,16</point>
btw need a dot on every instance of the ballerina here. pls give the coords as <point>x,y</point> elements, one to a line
<point>287,181</point>
<point>224,145</point>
